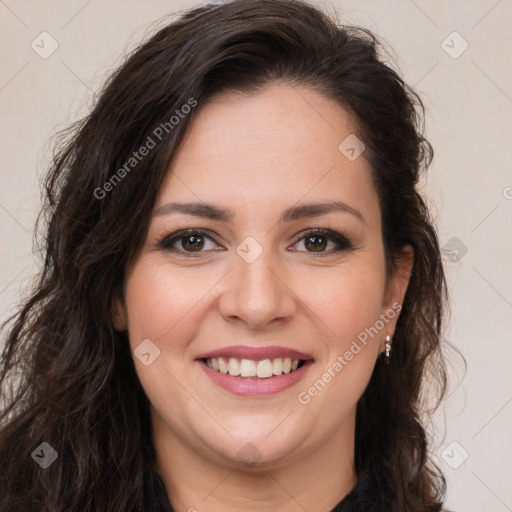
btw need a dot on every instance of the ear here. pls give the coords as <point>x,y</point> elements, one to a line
<point>119,318</point>
<point>396,288</point>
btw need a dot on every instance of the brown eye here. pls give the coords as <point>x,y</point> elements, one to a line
<point>315,243</point>
<point>323,241</point>
<point>188,242</point>
<point>192,243</point>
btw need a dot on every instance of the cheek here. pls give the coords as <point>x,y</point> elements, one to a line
<point>161,306</point>
<point>160,303</point>
<point>348,307</point>
<point>348,300</point>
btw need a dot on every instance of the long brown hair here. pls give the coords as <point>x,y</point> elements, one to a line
<point>67,377</point>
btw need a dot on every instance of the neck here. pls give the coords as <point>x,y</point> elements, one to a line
<point>315,480</point>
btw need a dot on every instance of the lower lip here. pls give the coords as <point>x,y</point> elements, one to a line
<point>247,386</point>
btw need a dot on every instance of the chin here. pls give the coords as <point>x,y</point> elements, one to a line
<point>255,453</point>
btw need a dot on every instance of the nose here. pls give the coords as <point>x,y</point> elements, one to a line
<point>257,293</point>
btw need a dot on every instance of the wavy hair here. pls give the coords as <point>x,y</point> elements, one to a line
<point>67,376</point>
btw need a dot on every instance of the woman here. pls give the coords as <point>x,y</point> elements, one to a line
<point>242,297</point>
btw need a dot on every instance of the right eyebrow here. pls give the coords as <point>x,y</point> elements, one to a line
<point>205,210</point>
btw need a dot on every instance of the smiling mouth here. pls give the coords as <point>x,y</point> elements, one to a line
<point>248,368</point>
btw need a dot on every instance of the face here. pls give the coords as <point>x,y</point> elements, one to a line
<point>259,274</point>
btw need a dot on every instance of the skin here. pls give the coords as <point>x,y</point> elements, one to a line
<point>258,155</point>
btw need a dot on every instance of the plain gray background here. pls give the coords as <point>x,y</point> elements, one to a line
<point>468,97</point>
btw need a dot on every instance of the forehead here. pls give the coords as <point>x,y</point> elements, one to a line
<point>269,150</point>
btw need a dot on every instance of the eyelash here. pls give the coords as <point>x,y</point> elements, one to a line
<point>344,244</point>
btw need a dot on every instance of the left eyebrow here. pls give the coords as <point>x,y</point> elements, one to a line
<point>317,209</point>
<point>214,212</point>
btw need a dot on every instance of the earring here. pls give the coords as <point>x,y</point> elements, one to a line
<point>388,346</point>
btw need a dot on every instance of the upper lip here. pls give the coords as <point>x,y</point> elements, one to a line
<point>255,353</point>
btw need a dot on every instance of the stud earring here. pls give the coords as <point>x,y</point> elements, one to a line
<point>388,346</point>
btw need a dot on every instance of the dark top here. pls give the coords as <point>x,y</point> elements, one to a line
<point>370,494</point>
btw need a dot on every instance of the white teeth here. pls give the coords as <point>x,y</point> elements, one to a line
<point>248,368</point>
<point>277,366</point>
<point>223,367</point>
<point>264,369</point>
<point>233,366</point>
